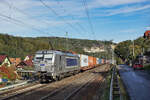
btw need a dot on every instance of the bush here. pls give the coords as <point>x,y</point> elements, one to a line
<point>8,72</point>
<point>147,66</point>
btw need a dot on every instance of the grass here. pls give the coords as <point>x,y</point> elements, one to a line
<point>147,66</point>
<point>106,89</point>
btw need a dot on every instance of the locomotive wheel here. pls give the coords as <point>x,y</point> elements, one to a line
<point>41,80</point>
<point>58,78</point>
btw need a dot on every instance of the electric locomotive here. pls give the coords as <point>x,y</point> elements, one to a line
<point>54,65</point>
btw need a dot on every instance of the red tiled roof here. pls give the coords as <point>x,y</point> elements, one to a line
<point>15,60</point>
<point>29,56</point>
<point>2,58</point>
<point>28,62</point>
<point>147,33</point>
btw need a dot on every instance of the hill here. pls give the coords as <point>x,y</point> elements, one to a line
<point>21,46</point>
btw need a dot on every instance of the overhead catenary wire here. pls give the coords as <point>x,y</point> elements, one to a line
<point>53,11</point>
<point>25,13</point>
<point>22,23</point>
<point>8,20</point>
<point>89,20</point>
<point>88,15</point>
<point>77,23</point>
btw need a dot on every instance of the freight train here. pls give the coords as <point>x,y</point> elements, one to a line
<point>54,65</point>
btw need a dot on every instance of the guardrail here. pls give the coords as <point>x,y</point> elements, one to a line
<point>115,93</point>
<point>26,75</point>
<point>13,86</point>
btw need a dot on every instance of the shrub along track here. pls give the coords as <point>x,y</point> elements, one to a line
<point>65,88</point>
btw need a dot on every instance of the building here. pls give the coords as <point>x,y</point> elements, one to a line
<point>4,60</point>
<point>147,34</point>
<point>29,57</point>
<point>94,49</point>
<point>27,62</point>
<point>15,61</point>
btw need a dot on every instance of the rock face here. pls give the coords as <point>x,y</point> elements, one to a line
<point>94,49</point>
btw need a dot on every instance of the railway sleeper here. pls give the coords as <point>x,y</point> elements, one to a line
<point>116,89</point>
<point>116,93</point>
<point>115,82</point>
<point>115,85</point>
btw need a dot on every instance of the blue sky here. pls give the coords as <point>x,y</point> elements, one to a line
<point>116,20</point>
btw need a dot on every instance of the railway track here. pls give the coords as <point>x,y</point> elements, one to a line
<point>72,94</point>
<point>69,91</point>
<point>46,91</point>
<point>20,91</point>
<point>11,90</point>
<point>115,93</point>
<point>54,95</point>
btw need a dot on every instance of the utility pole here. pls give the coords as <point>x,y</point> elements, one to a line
<point>143,53</point>
<point>50,44</point>
<point>113,56</point>
<point>133,52</point>
<point>133,49</point>
<point>66,41</point>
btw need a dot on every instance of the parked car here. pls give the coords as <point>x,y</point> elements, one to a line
<point>138,66</point>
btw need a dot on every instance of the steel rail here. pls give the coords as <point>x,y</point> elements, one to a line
<point>114,86</point>
<point>23,91</point>
<point>56,91</point>
<point>111,86</point>
<point>78,89</point>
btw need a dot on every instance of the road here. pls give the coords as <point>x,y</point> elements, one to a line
<point>137,82</point>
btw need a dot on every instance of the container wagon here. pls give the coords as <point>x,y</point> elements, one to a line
<point>84,62</point>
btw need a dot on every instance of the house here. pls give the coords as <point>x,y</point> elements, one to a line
<point>15,61</point>
<point>4,60</point>
<point>29,57</point>
<point>95,49</point>
<point>26,63</point>
<point>22,64</point>
<point>147,34</point>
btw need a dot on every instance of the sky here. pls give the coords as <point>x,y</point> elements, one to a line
<point>116,20</point>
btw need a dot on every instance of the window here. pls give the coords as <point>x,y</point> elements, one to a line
<point>48,56</point>
<point>39,56</point>
<point>71,62</point>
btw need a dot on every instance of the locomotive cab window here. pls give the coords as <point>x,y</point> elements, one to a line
<point>39,56</point>
<point>48,56</point>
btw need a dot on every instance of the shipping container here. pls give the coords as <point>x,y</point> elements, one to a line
<point>94,61</point>
<point>0,80</point>
<point>107,61</point>
<point>83,60</point>
<point>100,61</point>
<point>90,60</point>
<point>97,60</point>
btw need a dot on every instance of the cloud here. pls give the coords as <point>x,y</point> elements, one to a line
<point>128,31</point>
<point>126,10</point>
<point>111,3</point>
<point>147,28</point>
<point>33,13</point>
